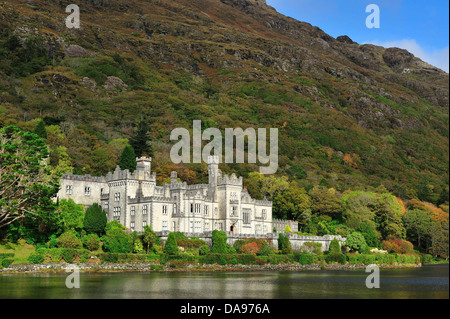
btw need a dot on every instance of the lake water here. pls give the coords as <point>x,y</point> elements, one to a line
<point>426,282</point>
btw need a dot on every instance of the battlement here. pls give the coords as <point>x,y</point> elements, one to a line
<point>84,178</point>
<point>230,180</point>
<point>120,174</point>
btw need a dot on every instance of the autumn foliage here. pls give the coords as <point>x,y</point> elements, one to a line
<point>398,246</point>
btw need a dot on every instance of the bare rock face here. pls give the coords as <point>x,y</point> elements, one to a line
<point>345,39</point>
<point>113,82</point>
<point>75,51</point>
<point>395,57</point>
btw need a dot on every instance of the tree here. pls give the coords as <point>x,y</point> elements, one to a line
<point>26,184</point>
<point>418,225</point>
<point>40,130</point>
<point>95,219</point>
<point>335,247</point>
<point>368,230</point>
<point>71,215</point>
<point>388,212</point>
<point>325,202</point>
<point>297,172</point>
<point>140,141</point>
<point>356,242</point>
<point>149,237</point>
<point>219,242</point>
<point>128,159</point>
<point>280,241</point>
<point>290,203</point>
<point>358,208</point>
<point>171,247</point>
<point>287,247</point>
<point>117,241</point>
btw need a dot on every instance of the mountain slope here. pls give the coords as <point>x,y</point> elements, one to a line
<point>353,116</point>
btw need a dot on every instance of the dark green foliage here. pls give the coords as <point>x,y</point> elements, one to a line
<point>91,242</point>
<point>69,240</point>
<point>127,159</point>
<point>286,247</point>
<point>297,172</point>
<point>204,250</point>
<point>335,247</point>
<point>171,247</point>
<point>336,258</point>
<point>95,219</point>
<point>6,262</point>
<point>427,259</point>
<point>356,242</point>
<point>69,254</point>
<point>117,241</point>
<point>304,258</point>
<point>22,59</point>
<point>219,242</point>
<point>40,130</point>
<point>35,258</point>
<point>280,241</point>
<point>370,234</point>
<point>141,142</point>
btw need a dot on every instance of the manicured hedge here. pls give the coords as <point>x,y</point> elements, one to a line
<point>379,259</point>
<point>122,258</point>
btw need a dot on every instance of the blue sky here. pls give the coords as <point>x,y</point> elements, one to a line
<point>420,26</point>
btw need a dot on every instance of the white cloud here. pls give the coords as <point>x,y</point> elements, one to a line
<point>438,58</point>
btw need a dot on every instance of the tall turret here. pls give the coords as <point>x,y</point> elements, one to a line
<point>213,170</point>
<point>143,167</point>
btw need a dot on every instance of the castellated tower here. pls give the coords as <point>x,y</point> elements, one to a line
<point>213,170</point>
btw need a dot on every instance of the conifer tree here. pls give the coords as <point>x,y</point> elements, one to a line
<point>140,141</point>
<point>128,159</point>
<point>40,130</point>
<point>95,219</point>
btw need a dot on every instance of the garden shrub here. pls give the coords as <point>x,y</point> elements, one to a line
<point>312,248</point>
<point>204,250</point>
<point>305,258</point>
<point>335,247</point>
<point>69,254</point>
<point>35,258</point>
<point>337,258</point>
<point>69,240</point>
<point>250,248</point>
<point>6,262</point>
<point>91,242</point>
<point>117,241</point>
<point>427,259</point>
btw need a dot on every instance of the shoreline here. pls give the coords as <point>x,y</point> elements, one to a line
<point>156,267</point>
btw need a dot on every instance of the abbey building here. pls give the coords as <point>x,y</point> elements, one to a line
<point>135,201</point>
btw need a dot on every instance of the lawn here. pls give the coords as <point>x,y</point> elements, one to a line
<point>20,249</point>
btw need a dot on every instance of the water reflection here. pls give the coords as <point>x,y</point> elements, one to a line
<point>425,282</point>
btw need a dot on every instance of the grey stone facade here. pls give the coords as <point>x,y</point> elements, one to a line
<point>135,200</point>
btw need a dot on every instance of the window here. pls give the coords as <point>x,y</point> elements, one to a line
<point>144,209</point>
<point>132,225</point>
<point>246,216</point>
<point>206,210</point>
<point>206,226</point>
<point>233,196</point>
<point>117,197</point>
<point>191,226</point>
<point>233,211</point>
<point>165,225</point>
<point>218,226</point>
<point>174,208</point>
<point>133,210</point>
<point>164,210</point>
<point>144,223</point>
<point>174,226</point>
<point>192,208</point>
<point>116,213</point>
<point>69,190</point>
<point>216,211</point>
<point>102,190</point>
<point>198,227</point>
<point>106,206</point>
<point>197,208</point>
<point>258,229</point>
<point>87,191</point>
<point>264,214</point>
